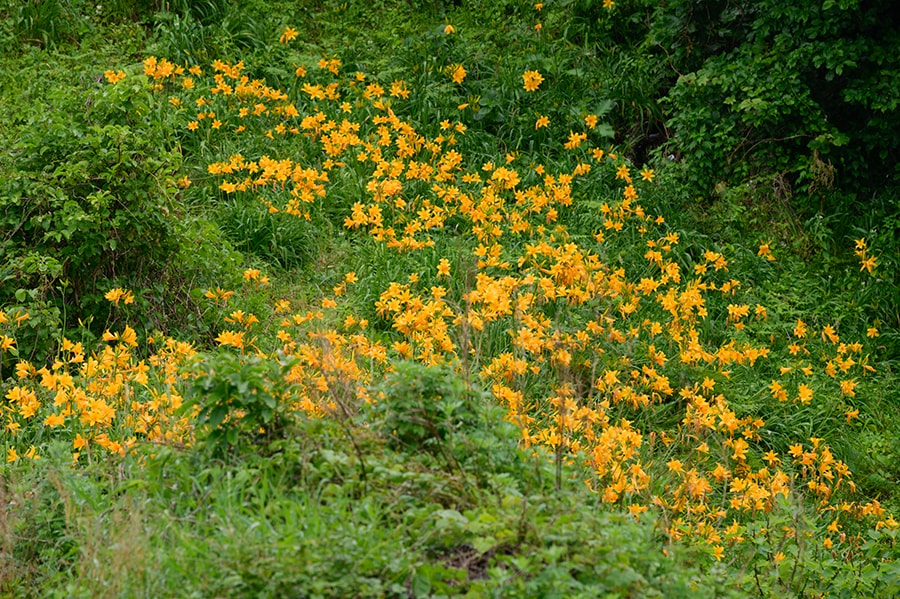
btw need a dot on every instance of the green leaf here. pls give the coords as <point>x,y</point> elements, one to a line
<point>484,544</point>
<point>420,586</point>
<point>217,416</point>
<point>605,130</point>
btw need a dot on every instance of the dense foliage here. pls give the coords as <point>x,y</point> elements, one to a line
<point>806,90</point>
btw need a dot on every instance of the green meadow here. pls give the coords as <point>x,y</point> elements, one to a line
<point>449,299</point>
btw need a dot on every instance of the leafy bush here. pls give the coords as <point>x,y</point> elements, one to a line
<point>423,407</point>
<point>87,202</point>
<point>793,89</point>
<point>240,401</point>
<point>805,93</point>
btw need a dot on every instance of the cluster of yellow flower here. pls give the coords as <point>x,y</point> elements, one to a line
<point>866,260</point>
<point>523,265</point>
<point>108,399</point>
<point>579,337</point>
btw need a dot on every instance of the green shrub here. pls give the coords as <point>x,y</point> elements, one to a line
<point>423,407</point>
<point>787,89</point>
<point>240,401</point>
<point>87,198</point>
